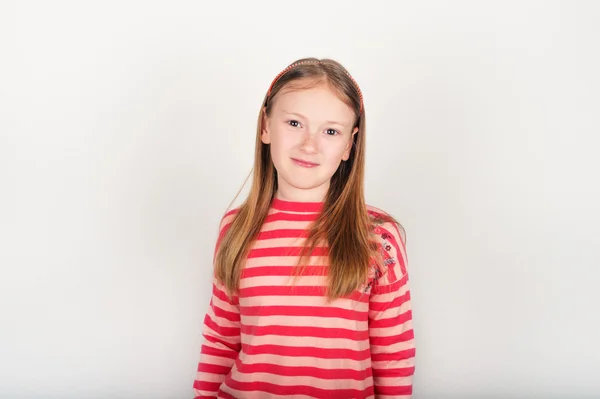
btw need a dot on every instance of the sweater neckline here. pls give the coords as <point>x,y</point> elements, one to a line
<point>296,206</point>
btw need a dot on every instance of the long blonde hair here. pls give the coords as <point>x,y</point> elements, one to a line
<point>344,223</point>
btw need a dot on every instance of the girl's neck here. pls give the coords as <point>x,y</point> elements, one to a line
<point>299,198</point>
<point>285,192</point>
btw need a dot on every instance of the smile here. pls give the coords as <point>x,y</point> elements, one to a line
<point>304,164</point>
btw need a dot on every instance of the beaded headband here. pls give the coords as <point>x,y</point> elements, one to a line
<point>292,66</point>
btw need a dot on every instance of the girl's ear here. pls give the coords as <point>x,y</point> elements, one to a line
<point>348,148</point>
<point>264,134</point>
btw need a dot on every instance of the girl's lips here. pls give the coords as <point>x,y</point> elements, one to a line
<point>304,164</point>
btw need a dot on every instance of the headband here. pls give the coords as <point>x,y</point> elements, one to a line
<point>292,66</point>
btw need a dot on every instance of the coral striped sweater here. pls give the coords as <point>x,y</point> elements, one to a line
<point>275,340</point>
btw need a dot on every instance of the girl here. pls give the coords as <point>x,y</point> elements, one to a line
<point>310,296</point>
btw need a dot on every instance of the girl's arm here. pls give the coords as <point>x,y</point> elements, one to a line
<point>221,344</point>
<point>390,320</point>
<point>221,333</point>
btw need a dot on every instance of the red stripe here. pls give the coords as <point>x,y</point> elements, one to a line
<point>231,212</point>
<point>296,206</point>
<point>206,386</point>
<point>222,295</point>
<point>224,331</point>
<point>265,387</point>
<point>314,311</point>
<point>228,354</point>
<point>395,356</point>
<point>381,306</point>
<point>213,368</point>
<point>392,321</point>
<point>386,289</point>
<point>224,395</point>
<point>298,371</point>
<point>308,351</point>
<point>399,372</point>
<point>295,291</point>
<point>291,217</point>
<point>285,251</point>
<point>394,339</point>
<point>260,271</point>
<point>281,290</point>
<point>235,346</point>
<point>231,316</point>
<point>282,233</point>
<point>394,391</point>
<point>317,332</point>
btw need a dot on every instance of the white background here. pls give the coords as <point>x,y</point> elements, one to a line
<point>126,128</point>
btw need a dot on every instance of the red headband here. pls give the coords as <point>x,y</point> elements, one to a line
<point>313,62</point>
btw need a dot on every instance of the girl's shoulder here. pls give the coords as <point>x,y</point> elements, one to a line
<point>390,237</point>
<point>386,225</point>
<point>225,224</point>
<point>228,218</point>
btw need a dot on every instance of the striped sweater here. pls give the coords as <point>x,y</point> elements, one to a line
<point>276,340</point>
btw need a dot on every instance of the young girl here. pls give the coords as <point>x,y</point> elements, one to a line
<point>310,296</point>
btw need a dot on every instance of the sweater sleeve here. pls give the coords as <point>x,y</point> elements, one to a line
<point>221,337</point>
<point>390,320</point>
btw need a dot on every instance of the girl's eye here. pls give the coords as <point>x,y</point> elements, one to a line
<point>294,123</point>
<point>331,132</point>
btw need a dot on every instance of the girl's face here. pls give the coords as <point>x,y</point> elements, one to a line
<point>310,132</point>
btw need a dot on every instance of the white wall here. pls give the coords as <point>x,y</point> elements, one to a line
<point>127,127</point>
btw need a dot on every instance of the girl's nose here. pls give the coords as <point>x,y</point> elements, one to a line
<point>309,143</point>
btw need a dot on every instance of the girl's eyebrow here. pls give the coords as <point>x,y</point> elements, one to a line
<point>303,117</point>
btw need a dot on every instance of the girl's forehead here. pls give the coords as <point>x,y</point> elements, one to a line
<point>307,86</point>
<point>316,98</point>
